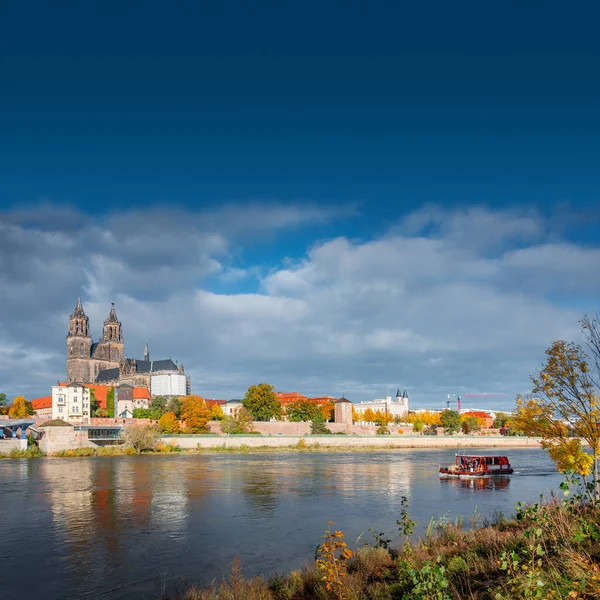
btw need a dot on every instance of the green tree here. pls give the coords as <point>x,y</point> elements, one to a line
<point>94,406</point>
<point>565,403</point>
<point>110,403</point>
<point>239,422</point>
<point>174,405</point>
<point>302,410</point>
<point>260,401</point>
<point>469,424</point>
<point>450,421</point>
<point>418,425</point>
<point>501,420</point>
<point>317,425</point>
<point>3,403</point>
<point>159,405</point>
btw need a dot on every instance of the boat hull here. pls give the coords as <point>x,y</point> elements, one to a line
<point>446,474</point>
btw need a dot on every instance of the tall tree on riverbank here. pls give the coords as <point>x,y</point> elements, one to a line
<point>3,403</point>
<point>20,408</point>
<point>450,421</point>
<point>302,410</point>
<point>565,404</point>
<point>260,401</point>
<point>196,414</point>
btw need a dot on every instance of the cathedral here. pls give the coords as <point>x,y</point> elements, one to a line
<point>104,361</point>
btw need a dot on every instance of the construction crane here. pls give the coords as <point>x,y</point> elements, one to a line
<point>457,396</point>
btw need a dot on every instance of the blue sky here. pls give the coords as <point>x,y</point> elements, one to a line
<point>275,140</point>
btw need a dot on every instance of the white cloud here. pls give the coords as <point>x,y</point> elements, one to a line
<point>447,301</point>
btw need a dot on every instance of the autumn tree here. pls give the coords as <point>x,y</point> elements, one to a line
<point>564,406</point>
<point>141,437</point>
<point>328,408</point>
<point>302,410</point>
<point>260,401</point>
<point>383,418</point>
<point>196,414</point>
<point>20,408</point>
<point>216,413</point>
<point>239,422</point>
<point>469,424</point>
<point>450,421</point>
<point>369,415</point>
<point>169,423</point>
<point>501,420</point>
<point>355,415</point>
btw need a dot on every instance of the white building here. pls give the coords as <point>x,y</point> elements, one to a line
<point>231,407</point>
<point>71,403</point>
<point>169,384</point>
<point>397,407</point>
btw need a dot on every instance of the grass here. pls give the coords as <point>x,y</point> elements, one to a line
<point>553,552</point>
<point>30,452</point>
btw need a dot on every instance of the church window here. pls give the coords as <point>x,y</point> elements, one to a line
<point>116,355</point>
<point>81,349</point>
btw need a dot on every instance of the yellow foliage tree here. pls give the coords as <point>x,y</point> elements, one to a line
<point>19,409</point>
<point>355,416</point>
<point>216,413</point>
<point>196,414</point>
<point>369,415</point>
<point>169,423</point>
<point>565,404</point>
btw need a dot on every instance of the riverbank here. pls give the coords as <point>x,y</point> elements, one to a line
<point>198,444</point>
<point>549,551</point>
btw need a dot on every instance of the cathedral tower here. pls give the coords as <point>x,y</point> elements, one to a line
<point>78,346</point>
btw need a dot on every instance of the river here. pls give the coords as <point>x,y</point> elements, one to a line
<point>127,527</point>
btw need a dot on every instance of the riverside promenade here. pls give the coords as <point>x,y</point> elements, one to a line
<point>353,441</point>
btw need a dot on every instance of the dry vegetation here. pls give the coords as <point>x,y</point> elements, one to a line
<point>551,550</point>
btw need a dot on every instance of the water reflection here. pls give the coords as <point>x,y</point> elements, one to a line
<point>481,483</point>
<point>99,527</point>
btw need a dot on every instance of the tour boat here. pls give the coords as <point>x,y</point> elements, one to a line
<point>469,466</point>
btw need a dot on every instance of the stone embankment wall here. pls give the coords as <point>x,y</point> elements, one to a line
<point>287,428</point>
<point>399,441</point>
<point>7,445</point>
<point>55,439</point>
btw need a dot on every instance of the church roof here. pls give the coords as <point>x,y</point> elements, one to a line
<point>108,375</point>
<point>343,399</point>
<point>398,395</point>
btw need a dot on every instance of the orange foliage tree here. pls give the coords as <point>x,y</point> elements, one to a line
<point>169,423</point>
<point>196,414</point>
<point>327,409</point>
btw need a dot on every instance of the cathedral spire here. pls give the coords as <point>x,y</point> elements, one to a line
<point>78,313</point>
<point>112,326</point>
<point>79,325</point>
<point>146,352</point>
<point>112,315</point>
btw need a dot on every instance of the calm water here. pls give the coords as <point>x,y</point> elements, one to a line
<point>125,527</point>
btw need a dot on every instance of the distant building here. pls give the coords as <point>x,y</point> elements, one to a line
<point>129,398</point>
<point>485,418</point>
<point>397,407</point>
<point>343,411</point>
<point>104,362</point>
<point>231,407</point>
<point>71,403</point>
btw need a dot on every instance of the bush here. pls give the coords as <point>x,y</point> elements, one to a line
<point>31,452</point>
<point>169,423</point>
<point>167,448</point>
<point>141,437</point>
<point>75,452</point>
